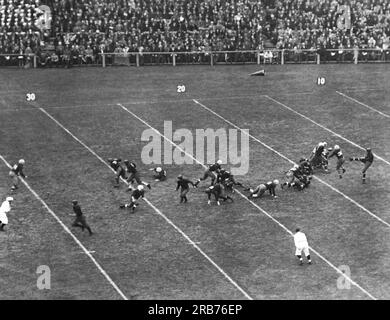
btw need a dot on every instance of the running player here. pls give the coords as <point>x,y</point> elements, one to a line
<point>119,170</point>
<point>80,220</point>
<point>218,190</point>
<point>368,159</point>
<point>136,195</point>
<point>340,159</point>
<point>263,187</point>
<point>317,156</point>
<point>211,172</point>
<point>16,172</point>
<point>227,179</point>
<point>131,168</point>
<point>184,185</point>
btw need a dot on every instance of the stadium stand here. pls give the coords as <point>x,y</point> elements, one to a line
<point>76,31</point>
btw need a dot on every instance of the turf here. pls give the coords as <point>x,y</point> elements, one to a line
<point>145,255</point>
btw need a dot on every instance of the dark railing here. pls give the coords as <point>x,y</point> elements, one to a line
<point>272,56</point>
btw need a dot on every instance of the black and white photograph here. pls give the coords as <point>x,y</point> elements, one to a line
<point>206,152</point>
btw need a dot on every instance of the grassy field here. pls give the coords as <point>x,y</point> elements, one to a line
<point>167,250</point>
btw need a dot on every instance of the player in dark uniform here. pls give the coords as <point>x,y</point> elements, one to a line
<point>296,179</point>
<point>218,190</point>
<point>119,170</point>
<point>80,220</point>
<point>317,158</point>
<point>16,172</point>
<point>340,159</point>
<point>263,187</point>
<point>184,185</point>
<point>305,167</point>
<point>211,172</point>
<point>159,174</point>
<point>131,168</point>
<point>227,179</point>
<point>368,159</point>
<point>136,195</point>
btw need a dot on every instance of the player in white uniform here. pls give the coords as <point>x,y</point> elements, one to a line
<point>4,209</point>
<point>301,244</point>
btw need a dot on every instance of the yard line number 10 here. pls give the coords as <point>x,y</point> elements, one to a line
<point>321,81</point>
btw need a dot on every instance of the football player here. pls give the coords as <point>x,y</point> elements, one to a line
<point>159,174</point>
<point>16,172</point>
<point>317,159</point>
<point>80,220</point>
<point>218,190</point>
<point>263,187</point>
<point>305,167</point>
<point>340,159</point>
<point>4,209</point>
<point>131,168</point>
<point>367,160</point>
<point>211,172</point>
<point>301,245</point>
<point>119,170</point>
<point>295,178</point>
<point>227,179</point>
<point>184,185</point>
<point>136,195</point>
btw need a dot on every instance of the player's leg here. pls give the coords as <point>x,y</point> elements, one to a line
<point>86,226</point>
<point>133,204</point>
<point>324,163</point>
<point>260,191</point>
<point>289,181</point>
<point>184,195</point>
<point>366,166</point>
<point>204,177</point>
<point>14,179</point>
<point>213,177</point>
<point>224,196</point>
<point>130,178</point>
<point>137,178</point>
<point>307,254</point>
<point>298,253</point>
<point>253,191</point>
<point>77,224</point>
<point>217,196</point>
<point>208,196</point>
<point>3,221</point>
<point>339,168</point>
<point>315,161</point>
<point>117,176</point>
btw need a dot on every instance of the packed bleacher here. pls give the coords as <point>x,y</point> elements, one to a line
<point>80,29</point>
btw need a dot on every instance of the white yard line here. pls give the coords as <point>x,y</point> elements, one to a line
<point>155,209</point>
<point>363,104</point>
<point>251,202</point>
<point>292,162</point>
<point>85,250</point>
<point>323,127</point>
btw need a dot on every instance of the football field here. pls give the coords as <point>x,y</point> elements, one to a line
<point>167,250</point>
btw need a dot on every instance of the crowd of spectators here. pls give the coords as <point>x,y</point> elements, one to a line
<point>83,28</point>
